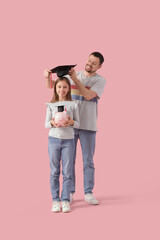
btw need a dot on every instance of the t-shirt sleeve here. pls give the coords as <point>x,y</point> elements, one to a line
<point>99,86</point>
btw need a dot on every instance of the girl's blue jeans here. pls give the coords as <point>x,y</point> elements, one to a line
<point>60,149</point>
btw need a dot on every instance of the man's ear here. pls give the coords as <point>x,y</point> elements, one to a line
<point>100,66</point>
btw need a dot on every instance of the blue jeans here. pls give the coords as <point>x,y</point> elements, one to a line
<point>87,141</point>
<point>60,149</point>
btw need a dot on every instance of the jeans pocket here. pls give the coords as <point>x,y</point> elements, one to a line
<point>50,139</point>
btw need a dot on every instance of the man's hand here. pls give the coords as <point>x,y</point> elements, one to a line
<point>47,73</point>
<point>50,83</point>
<point>72,73</point>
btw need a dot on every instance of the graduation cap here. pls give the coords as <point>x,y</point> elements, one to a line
<point>60,108</point>
<point>62,70</point>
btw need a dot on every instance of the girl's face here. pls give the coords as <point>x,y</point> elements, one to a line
<point>62,88</point>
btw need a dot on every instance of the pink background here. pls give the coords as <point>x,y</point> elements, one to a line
<point>43,34</point>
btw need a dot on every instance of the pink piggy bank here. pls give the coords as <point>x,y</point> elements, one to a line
<point>60,118</point>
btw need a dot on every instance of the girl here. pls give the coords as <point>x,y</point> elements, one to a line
<point>61,143</point>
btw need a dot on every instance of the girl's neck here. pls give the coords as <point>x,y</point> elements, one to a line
<point>62,99</point>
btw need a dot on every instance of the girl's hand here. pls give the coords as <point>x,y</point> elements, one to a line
<point>47,73</point>
<point>70,122</point>
<point>53,123</point>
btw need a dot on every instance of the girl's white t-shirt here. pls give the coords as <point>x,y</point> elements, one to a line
<point>62,132</point>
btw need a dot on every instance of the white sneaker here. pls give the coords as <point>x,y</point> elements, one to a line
<point>89,198</point>
<point>56,207</point>
<point>71,197</point>
<point>66,207</point>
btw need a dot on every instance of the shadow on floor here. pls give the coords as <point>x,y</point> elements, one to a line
<point>104,201</point>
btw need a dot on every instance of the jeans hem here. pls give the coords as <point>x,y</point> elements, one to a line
<point>90,192</point>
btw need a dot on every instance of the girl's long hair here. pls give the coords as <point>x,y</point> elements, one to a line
<point>55,95</point>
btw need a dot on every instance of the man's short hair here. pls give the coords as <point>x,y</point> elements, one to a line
<point>98,55</point>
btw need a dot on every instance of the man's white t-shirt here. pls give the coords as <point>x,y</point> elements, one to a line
<point>88,110</point>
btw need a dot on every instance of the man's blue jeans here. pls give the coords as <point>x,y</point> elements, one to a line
<point>87,141</point>
<point>60,149</point>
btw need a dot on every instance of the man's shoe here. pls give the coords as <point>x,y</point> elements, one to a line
<point>89,198</point>
<point>66,207</point>
<point>71,197</point>
<point>56,207</point>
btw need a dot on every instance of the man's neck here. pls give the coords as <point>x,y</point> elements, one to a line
<point>87,74</point>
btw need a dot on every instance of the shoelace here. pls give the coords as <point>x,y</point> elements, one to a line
<point>91,196</point>
<point>65,204</point>
<point>55,204</point>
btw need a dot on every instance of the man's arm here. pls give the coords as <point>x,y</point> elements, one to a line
<point>86,93</point>
<point>49,82</point>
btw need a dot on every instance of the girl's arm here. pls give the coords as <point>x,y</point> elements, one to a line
<point>75,121</point>
<point>48,118</point>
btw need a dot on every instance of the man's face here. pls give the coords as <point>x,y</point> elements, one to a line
<point>92,64</point>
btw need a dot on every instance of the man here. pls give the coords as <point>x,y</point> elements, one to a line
<point>86,88</point>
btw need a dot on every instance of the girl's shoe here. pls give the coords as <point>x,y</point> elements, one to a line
<point>56,207</point>
<point>66,206</point>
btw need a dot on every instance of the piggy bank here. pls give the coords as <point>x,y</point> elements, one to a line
<point>61,116</point>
